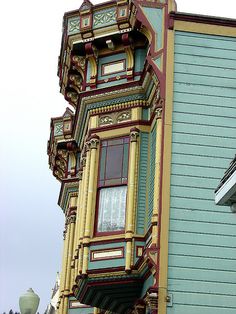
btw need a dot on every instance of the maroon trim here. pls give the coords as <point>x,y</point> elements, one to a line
<point>111,63</point>
<point>96,232</point>
<point>106,270</point>
<point>118,126</point>
<point>203,19</point>
<point>92,252</point>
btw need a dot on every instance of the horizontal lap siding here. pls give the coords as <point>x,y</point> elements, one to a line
<point>202,238</point>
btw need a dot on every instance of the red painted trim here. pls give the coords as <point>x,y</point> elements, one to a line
<point>92,252</point>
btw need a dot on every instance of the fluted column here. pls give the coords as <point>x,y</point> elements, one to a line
<point>129,228</point>
<point>62,275</point>
<point>77,223</point>
<point>84,204</point>
<point>157,177</point>
<point>93,144</point>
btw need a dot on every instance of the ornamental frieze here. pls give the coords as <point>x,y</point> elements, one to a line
<point>114,118</point>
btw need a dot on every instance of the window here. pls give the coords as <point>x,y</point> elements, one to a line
<point>112,185</point>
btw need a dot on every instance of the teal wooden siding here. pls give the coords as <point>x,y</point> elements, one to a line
<point>202,237</point>
<point>142,184</point>
<point>152,144</point>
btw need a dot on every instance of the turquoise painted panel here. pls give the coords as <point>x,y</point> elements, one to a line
<point>73,25</point>
<point>195,286</point>
<point>203,71</point>
<point>199,262</point>
<point>213,162</point>
<point>208,275</point>
<point>224,302</point>
<point>147,284</point>
<point>203,227</point>
<point>195,204</point>
<point>198,171</point>
<point>206,110</point>
<point>212,90</point>
<point>155,18</point>
<point>110,59</point>
<point>196,309</point>
<point>185,215</point>
<point>204,129</point>
<point>203,150</point>
<point>140,57</point>
<point>200,99</point>
<point>210,141</point>
<point>202,236</point>
<point>152,144</point>
<point>104,18</point>
<point>202,251</point>
<point>208,41</point>
<point>107,263</point>
<point>145,113</point>
<point>142,183</point>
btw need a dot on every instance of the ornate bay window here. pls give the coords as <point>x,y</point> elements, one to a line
<point>112,186</point>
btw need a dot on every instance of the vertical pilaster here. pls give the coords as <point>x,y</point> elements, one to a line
<point>156,198</point>
<point>93,144</point>
<point>78,218</point>
<point>129,228</point>
<point>85,179</point>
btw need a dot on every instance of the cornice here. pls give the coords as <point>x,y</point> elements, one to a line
<point>203,19</point>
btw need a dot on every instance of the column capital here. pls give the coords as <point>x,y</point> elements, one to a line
<point>94,141</point>
<point>134,134</point>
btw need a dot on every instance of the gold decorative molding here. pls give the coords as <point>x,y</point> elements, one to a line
<point>114,118</point>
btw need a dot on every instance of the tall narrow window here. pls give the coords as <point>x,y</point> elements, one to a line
<point>112,185</point>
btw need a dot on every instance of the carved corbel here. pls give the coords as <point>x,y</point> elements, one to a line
<point>130,55</point>
<point>72,98</point>
<point>91,54</point>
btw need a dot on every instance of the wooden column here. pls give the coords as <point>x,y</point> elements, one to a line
<point>129,228</point>
<point>156,198</point>
<point>93,144</point>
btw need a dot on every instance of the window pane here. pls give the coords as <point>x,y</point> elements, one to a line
<point>114,162</point>
<point>111,211</point>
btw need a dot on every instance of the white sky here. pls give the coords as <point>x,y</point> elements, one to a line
<point>32,224</point>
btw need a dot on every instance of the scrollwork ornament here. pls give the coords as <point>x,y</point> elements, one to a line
<point>80,174</point>
<point>83,161</point>
<point>158,112</point>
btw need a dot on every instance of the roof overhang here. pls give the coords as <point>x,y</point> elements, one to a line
<point>226,194</point>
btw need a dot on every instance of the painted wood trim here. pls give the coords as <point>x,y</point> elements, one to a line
<point>165,213</point>
<point>204,28</point>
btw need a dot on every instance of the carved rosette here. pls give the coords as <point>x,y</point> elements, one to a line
<point>115,118</point>
<point>134,134</point>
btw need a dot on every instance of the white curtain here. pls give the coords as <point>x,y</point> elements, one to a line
<point>111,211</point>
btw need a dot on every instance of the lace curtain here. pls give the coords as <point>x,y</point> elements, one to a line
<point>111,212</point>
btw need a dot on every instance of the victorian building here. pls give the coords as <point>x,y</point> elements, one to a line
<point>148,133</point>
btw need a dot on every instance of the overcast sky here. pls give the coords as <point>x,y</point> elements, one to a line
<point>32,224</point>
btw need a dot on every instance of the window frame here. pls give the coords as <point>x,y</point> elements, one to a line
<point>100,187</point>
